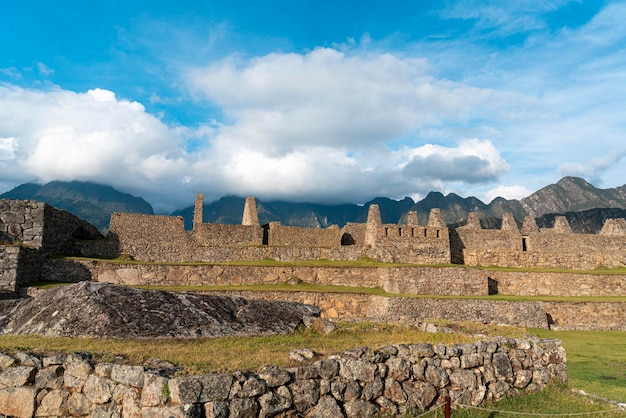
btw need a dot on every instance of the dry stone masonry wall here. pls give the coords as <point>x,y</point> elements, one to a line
<point>362,382</point>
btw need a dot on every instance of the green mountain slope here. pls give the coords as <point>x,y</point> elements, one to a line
<point>92,202</point>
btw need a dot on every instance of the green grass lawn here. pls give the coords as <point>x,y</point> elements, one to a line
<point>555,400</point>
<point>596,360</point>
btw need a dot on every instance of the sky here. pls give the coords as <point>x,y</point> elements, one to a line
<point>313,101</point>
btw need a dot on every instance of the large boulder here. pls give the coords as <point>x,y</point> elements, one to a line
<point>89,309</point>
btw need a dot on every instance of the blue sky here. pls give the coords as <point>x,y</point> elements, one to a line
<point>313,101</point>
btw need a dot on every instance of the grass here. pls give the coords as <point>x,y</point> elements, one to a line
<point>244,353</point>
<point>553,400</point>
<point>596,360</point>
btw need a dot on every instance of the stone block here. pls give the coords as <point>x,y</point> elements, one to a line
<point>49,378</point>
<point>18,402</point>
<point>353,369</point>
<point>243,408</point>
<point>17,376</point>
<point>502,366</point>
<point>53,404</point>
<point>274,376</point>
<point>185,390</point>
<point>128,375</point>
<point>275,402</point>
<point>99,390</point>
<point>155,391</point>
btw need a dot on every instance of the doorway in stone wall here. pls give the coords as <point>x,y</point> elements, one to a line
<point>347,239</point>
<point>266,234</point>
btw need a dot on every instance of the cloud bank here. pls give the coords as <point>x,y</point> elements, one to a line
<point>318,126</point>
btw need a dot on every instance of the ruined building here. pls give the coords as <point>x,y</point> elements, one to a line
<point>31,232</point>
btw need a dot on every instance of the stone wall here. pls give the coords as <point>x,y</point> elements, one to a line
<point>150,237</point>
<point>349,306</point>
<point>281,235</point>
<point>554,315</point>
<point>41,226</point>
<point>546,248</point>
<point>61,230</point>
<point>556,283</point>
<point>392,380</point>
<point>409,280</point>
<point>163,238</point>
<point>23,219</point>
<point>29,266</point>
<point>586,316</point>
<point>227,235</point>
<point>8,273</point>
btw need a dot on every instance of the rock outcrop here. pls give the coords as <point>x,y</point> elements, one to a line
<point>89,309</point>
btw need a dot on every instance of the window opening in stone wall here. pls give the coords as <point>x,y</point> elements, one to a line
<point>425,232</point>
<point>386,231</point>
<point>400,231</point>
<point>524,244</point>
<point>412,232</point>
<point>437,233</point>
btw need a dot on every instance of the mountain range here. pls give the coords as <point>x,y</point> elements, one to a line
<point>585,206</point>
<point>90,201</point>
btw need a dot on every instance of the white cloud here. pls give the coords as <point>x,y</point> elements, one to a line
<point>279,102</point>
<point>507,192</point>
<point>503,17</point>
<point>473,161</point>
<point>62,135</point>
<point>593,169</point>
<point>8,146</point>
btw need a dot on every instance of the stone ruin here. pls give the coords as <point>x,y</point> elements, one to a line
<point>33,232</point>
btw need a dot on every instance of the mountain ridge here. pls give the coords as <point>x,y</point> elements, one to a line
<point>582,203</point>
<point>89,201</point>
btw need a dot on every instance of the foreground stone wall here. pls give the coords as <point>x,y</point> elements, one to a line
<point>362,382</point>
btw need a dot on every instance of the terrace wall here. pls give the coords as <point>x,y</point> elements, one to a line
<point>409,280</point>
